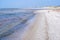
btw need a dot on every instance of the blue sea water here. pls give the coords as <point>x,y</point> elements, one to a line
<point>13,18</point>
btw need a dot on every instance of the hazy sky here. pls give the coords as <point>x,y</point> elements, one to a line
<point>28,3</point>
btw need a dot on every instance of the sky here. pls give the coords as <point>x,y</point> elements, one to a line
<point>28,3</point>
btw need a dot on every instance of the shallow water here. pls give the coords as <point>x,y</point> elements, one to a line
<point>10,22</point>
